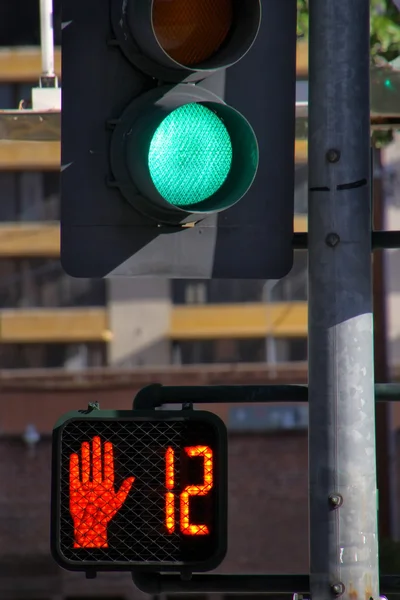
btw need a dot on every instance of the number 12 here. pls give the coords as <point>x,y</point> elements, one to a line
<point>186,526</point>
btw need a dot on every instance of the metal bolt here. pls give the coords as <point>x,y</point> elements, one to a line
<point>333,155</point>
<point>332,239</point>
<point>336,500</point>
<point>338,588</point>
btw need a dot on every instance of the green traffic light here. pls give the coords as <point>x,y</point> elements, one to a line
<point>190,155</point>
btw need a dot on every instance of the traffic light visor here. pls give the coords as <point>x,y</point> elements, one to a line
<point>185,40</point>
<point>180,153</point>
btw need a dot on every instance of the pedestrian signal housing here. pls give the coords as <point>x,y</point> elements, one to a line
<point>139,489</point>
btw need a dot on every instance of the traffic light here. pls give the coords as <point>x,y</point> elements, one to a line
<point>139,489</point>
<point>178,125</point>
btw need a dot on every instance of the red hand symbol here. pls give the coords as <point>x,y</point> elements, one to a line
<point>94,501</point>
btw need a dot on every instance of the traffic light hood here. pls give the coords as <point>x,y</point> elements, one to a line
<point>186,154</point>
<point>185,40</point>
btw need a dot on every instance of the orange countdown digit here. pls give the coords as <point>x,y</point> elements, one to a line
<point>187,527</point>
<point>169,484</point>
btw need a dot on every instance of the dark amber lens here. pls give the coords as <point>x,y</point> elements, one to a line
<point>192,31</point>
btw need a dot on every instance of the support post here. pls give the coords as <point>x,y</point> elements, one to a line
<point>47,42</point>
<point>384,460</point>
<point>342,464</point>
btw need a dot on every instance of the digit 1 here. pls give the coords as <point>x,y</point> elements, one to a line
<point>196,490</point>
<point>169,484</point>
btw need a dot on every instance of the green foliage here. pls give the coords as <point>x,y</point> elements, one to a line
<point>385,42</point>
<point>302,18</point>
<point>385,30</point>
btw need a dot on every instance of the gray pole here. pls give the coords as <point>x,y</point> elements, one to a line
<point>343,497</point>
<point>47,37</point>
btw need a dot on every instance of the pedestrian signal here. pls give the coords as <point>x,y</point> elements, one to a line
<point>144,489</point>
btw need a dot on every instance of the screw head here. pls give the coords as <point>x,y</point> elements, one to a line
<point>335,500</point>
<point>338,588</point>
<point>333,155</point>
<point>332,240</point>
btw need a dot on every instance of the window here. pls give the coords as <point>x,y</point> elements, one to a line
<point>20,23</point>
<point>238,350</point>
<point>7,97</point>
<point>188,597</point>
<point>9,292</point>
<point>39,356</point>
<point>195,293</point>
<point>216,291</point>
<point>253,596</point>
<point>218,351</point>
<point>301,190</point>
<point>36,282</point>
<point>95,598</point>
<point>291,350</point>
<point>29,196</point>
<point>11,94</point>
<point>293,287</point>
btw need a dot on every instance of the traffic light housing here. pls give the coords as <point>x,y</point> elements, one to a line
<point>178,121</point>
<point>139,490</point>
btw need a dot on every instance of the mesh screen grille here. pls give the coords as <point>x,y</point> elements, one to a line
<point>112,504</point>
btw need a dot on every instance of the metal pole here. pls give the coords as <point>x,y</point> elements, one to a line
<point>383,431</point>
<point>47,37</point>
<point>270,341</point>
<point>342,465</point>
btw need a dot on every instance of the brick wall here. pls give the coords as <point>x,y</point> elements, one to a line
<point>267,517</point>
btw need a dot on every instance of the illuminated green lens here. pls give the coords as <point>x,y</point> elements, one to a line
<point>190,155</point>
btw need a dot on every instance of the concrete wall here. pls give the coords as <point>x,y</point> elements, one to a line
<point>139,312</point>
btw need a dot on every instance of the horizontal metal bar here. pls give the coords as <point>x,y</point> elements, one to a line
<point>381,240</point>
<point>300,241</point>
<point>384,123</point>
<point>156,583</point>
<point>154,396</point>
<point>159,583</point>
<point>387,392</point>
<point>385,92</point>
<point>30,125</point>
<point>33,125</point>
<point>385,239</point>
<point>389,584</point>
